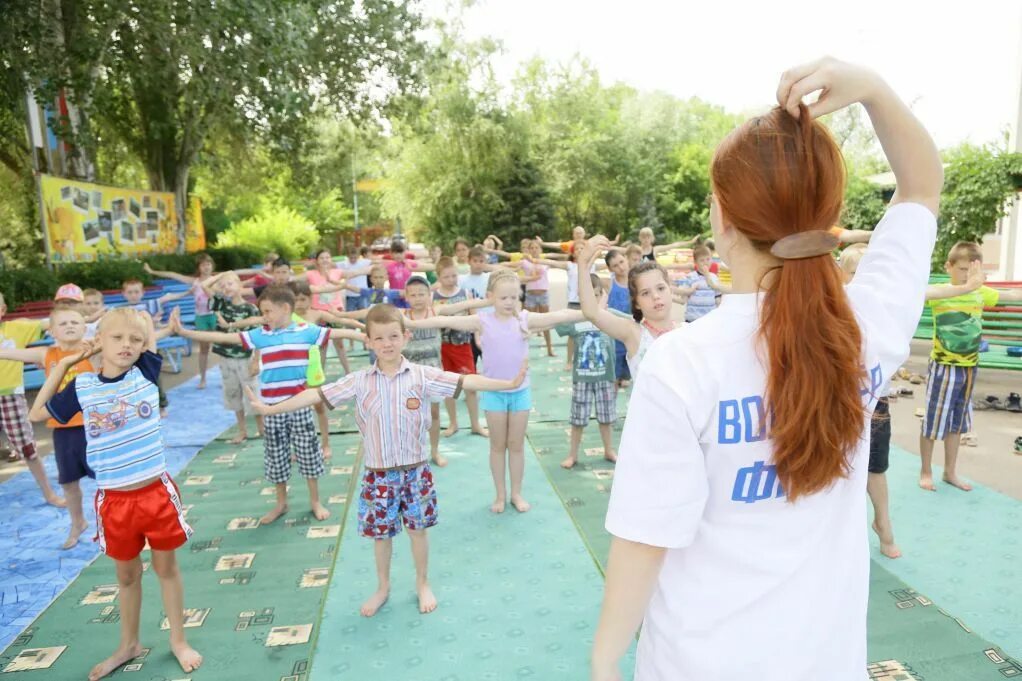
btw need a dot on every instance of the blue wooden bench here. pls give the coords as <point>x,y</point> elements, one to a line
<point>173,348</point>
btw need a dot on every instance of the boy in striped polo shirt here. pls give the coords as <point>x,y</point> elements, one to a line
<point>136,501</point>
<point>392,399</point>
<point>283,346</point>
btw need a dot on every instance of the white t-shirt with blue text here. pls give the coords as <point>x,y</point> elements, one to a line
<point>751,581</point>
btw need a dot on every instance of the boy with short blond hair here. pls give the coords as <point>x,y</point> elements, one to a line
<point>397,484</point>
<point>957,331</point>
<point>137,502</point>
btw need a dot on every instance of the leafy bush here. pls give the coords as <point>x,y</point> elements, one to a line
<point>274,228</point>
<point>20,286</point>
<point>864,204</point>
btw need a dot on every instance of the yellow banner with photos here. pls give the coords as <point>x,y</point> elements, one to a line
<point>85,222</point>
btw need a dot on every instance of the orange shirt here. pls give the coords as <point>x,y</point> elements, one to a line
<point>54,355</point>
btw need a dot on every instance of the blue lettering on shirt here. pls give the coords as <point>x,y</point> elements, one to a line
<point>756,482</point>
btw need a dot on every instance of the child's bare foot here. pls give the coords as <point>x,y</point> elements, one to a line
<point>610,455</point>
<point>163,412</point>
<point>238,439</point>
<point>327,452</point>
<point>551,353</point>
<point>926,482</point>
<point>187,657</point>
<point>439,460</point>
<point>374,603</point>
<point>121,656</point>
<point>272,515</point>
<point>450,430</point>
<point>320,511</point>
<point>427,601</point>
<point>955,481</point>
<point>569,463</point>
<point>520,504</point>
<point>202,385</point>
<point>54,500</point>
<point>480,430</point>
<point>74,534</point>
<point>498,505</point>
<point>887,545</point>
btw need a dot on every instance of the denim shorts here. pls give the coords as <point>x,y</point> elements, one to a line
<point>519,400</point>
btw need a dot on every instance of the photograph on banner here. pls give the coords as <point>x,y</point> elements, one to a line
<point>86,222</point>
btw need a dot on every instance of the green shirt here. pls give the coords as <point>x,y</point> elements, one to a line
<point>231,312</point>
<point>593,356</point>
<point>958,326</point>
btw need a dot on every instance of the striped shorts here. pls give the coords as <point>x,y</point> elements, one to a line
<point>948,400</point>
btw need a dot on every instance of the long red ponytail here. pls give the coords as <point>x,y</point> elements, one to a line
<point>775,176</point>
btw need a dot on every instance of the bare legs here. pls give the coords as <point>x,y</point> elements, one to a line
<point>165,566</point>
<point>35,466</point>
<point>319,511</point>
<point>73,496</point>
<point>434,436</point>
<point>383,551</point>
<point>342,355</point>
<point>129,581</point>
<point>876,486</point>
<point>203,364</point>
<point>951,444</point>
<point>324,429</point>
<point>576,440</point>
<point>507,434</point>
<point>472,403</point>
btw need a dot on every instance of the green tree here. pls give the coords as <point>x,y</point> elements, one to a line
<point>980,185</point>
<point>525,209</point>
<point>166,74</point>
<point>864,203</point>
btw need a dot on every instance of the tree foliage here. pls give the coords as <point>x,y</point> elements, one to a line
<point>980,185</point>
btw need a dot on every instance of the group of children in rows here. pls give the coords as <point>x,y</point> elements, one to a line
<point>426,325</point>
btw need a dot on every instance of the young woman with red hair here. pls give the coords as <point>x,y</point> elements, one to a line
<point>739,540</point>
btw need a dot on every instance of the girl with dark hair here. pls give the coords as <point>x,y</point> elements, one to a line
<point>649,287</point>
<point>739,539</point>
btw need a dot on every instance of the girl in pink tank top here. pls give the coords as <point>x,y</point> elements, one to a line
<point>504,338</point>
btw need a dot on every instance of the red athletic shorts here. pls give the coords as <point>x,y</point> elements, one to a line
<point>457,358</point>
<point>126,519</point>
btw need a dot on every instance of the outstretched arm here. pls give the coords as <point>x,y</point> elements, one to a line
<point>336,334</point>
<point>463,306</point>
<point>975,280</point>
<point>205,336</point>
<point>550,263</point>
<point>209,283</point>
<point>183,278</point>
<point>619,328</point>
<point>677,244</point>
<point>24,355</point>
<point>307,398</point>
<point>480,382</point>
<point>541,321</point>
<point>1009,295</point>
<point>469,323</point>
<point>854,236</point>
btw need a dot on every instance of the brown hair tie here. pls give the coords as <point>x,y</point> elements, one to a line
<point>808,244</point>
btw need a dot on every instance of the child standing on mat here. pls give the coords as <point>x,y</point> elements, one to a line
<point>592,381</point>
<point>620,300</point>
<point>283,347</point>
<point>229,307</point>
<point>136,501</point>
<point>456,346</point>
<point>504,335</point>
<point>957,331</point>
<point>391,411</point>
<point>879,435</point>
<point>15,334</point>
<point>424,346</point>
<point>67,326</point>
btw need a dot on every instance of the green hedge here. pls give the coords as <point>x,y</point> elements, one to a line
<point>26,285</point>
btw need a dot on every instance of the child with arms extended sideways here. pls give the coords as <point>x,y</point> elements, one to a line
<point>391,409</point>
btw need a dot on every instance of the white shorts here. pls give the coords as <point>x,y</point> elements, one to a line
<point>236,375</point>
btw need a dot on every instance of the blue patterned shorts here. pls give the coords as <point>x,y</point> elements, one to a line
<point>391,497</point>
